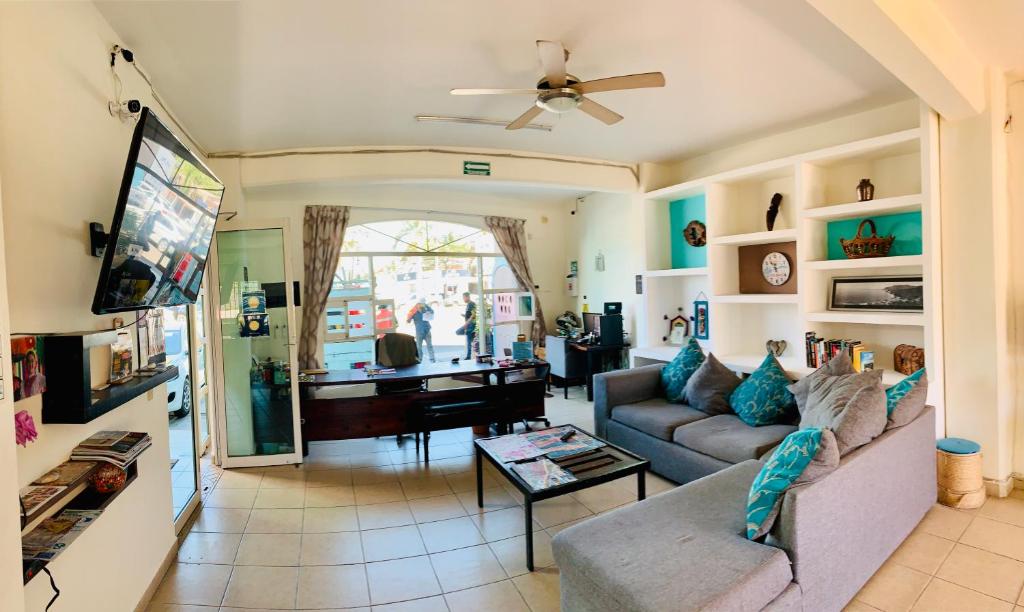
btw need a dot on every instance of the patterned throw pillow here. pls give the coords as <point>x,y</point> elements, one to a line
<point>906,399</point>
<point>675,375</point>
<point>763,398</point>
<point>803,457</point>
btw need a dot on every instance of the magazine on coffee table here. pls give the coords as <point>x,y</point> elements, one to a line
<point>511,448</point>
<point>551,444</point>
<point>542,474</point>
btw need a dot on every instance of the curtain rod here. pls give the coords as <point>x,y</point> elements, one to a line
<point>428,211</point>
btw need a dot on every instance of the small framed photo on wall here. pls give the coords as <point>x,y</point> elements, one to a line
<point>701,320</point>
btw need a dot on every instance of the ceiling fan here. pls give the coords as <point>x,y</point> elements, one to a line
<point>560,92</point>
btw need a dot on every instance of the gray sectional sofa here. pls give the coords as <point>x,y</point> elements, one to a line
<point>686,549</point>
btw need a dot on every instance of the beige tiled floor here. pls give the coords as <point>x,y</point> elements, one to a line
<point>363,525</point>
<point>960,561</point>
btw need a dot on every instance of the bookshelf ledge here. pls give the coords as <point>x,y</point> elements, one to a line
<point>757,298</point>
<point>103,401</point>
<point>912,319</point>
<point>702,271</point>
<point>869,262</point>
<point>782,235</point>
<point>896,204</point>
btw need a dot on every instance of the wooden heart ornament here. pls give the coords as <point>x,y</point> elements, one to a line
<point>776,347</point>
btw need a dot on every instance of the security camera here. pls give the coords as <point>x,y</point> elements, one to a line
<point>125,111</point>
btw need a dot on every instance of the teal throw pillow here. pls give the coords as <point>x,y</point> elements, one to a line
<point>675,375</point>
<point>803,457</point>
<point>905,400</point>
<point>763,398</point>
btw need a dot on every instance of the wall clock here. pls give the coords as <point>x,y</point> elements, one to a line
<point>695,233</point>
<point>775,268</point>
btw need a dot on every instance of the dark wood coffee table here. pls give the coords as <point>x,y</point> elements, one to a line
<point>590,468</point>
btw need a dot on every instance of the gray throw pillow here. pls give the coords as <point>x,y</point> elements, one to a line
<point>837,366</point>
<point>908,405</point>
<point>709,388</point>
<point>851,405</point>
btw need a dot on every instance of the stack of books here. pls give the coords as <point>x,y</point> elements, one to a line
<point>820,351</point>
<point>117,447</point>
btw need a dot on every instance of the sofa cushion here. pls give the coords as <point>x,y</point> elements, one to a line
<point>906,399</point>
<point>656,417</point>
<point>680,550</point>
<point>728,438</point>
<point>676,372</point>
<point>852,406</point>
<point>837,366</point>
<point>803,457</point>
<point>763,398</point>
<point>709,388</point>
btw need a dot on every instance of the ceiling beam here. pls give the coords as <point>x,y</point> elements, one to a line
<point>918,45</point>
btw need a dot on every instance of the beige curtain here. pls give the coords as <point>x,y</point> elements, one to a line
<point>323,229</point>
<point>510,234</point>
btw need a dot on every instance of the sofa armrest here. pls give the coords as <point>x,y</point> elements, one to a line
<point>623,387</point>
<point>860,513</point>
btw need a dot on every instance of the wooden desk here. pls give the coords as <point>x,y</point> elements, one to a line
<point>593,353</point>
<point>403,412</point>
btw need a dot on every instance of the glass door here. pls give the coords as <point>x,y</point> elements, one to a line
<point>257,389</point>
<point>177,328</point>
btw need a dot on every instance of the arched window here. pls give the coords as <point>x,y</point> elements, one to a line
<point>412,276</point>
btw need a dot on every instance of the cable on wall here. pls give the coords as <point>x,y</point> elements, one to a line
<point>1008,124</point>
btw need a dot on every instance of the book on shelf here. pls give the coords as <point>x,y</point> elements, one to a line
<point>34,497</point>
<point>121,452</point>
<point>54,534</point>
<point>820,351</point>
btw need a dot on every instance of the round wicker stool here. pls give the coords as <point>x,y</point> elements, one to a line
<point>959,471</point>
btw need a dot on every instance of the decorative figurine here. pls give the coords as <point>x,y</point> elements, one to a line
<point>865,190</point>
<point>695,233</point>
<point>776,347</point>
<point>773,211</point>
<point>108,479</point>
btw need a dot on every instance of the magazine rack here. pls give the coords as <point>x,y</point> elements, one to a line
<point>86,499</point>
<point>69,397</point>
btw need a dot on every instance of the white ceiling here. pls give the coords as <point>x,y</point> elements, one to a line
<point>992,29</point>
<point>268,74</point>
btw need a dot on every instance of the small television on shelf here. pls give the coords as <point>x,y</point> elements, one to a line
<point>163,224</point>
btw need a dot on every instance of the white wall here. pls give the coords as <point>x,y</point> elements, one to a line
<point>544,210</point>
<point>61,158</point>
<point>1015,179</point>
<point>782,143</point>
<point>977,303</point>
<point>610,224</point>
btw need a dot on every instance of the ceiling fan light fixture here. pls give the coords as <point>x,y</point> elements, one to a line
<point>559,101</point>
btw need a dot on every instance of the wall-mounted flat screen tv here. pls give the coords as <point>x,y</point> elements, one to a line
<point>162,228</point>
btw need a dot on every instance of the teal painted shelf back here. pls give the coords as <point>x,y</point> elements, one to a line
<point>905,226</point>
<point>680,213</point>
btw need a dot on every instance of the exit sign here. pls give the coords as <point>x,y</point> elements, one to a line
<point>476,168</point>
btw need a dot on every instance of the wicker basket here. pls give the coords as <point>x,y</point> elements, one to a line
<point>860,246</point>
<point>960,481</point>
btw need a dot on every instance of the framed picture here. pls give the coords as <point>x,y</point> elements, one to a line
<point>524,302</point>
<point>877,293</point>
<point>27,366</point>
<point>678,329</point>
<point>701,320</point>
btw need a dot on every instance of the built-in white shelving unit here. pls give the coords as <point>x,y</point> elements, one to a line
<point>818,188</point>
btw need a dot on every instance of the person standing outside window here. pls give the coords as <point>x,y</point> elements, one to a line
<point>469,327</point>
<point>420,315</point>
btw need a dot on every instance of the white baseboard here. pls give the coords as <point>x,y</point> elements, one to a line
<point>999,488</point>
<point>154,584</point>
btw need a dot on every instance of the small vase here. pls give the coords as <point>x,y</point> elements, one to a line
<point>865,190</point>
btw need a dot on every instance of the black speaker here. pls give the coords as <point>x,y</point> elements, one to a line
<point>613,308</point>
<point>611,330</point>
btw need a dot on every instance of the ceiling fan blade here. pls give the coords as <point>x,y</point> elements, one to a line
<point>525,118</point>
<point>552,60</point>
<point>631,81</point>
<point>597,111</point>
<point>488,92</point>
